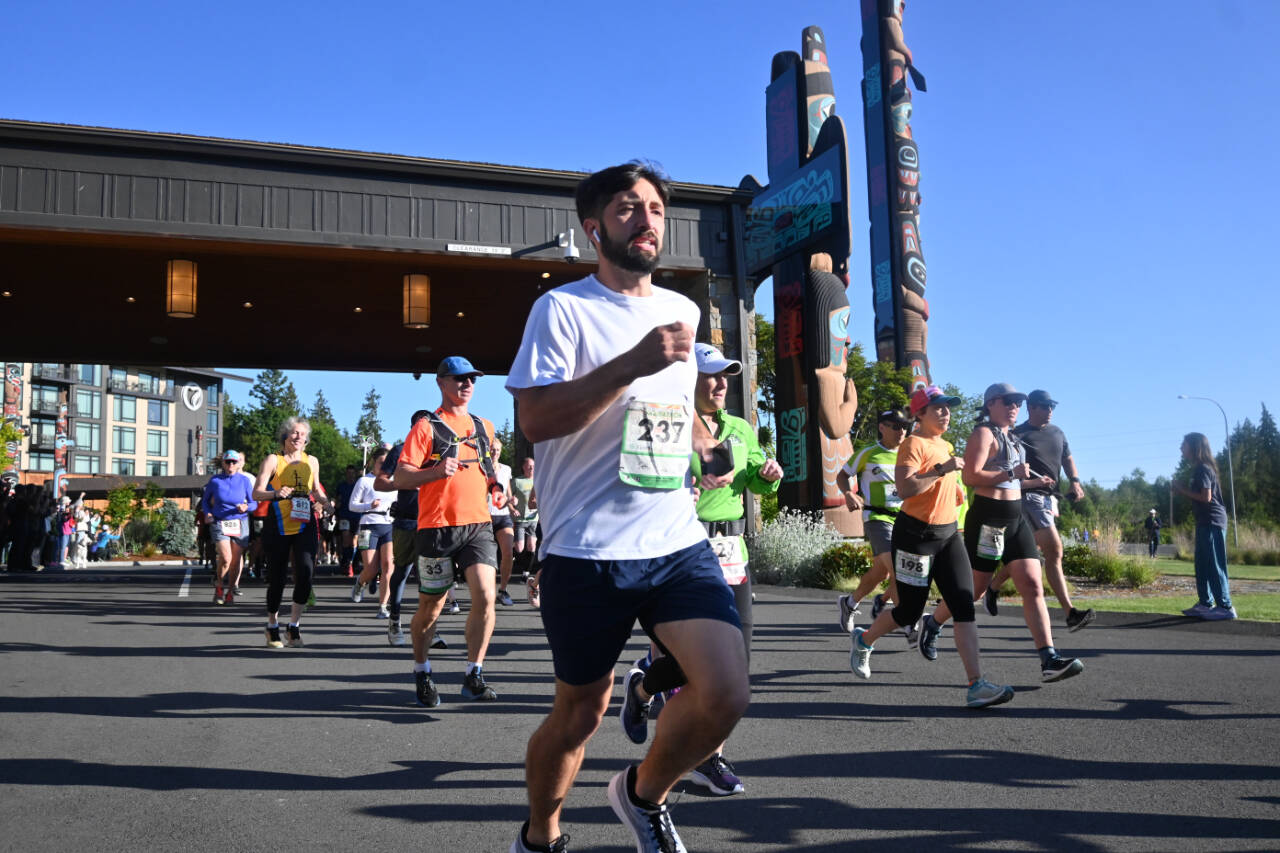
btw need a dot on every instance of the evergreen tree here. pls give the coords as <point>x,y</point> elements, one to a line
<point>369,425</point>
<point>320,410</point>
<point>273,390</point>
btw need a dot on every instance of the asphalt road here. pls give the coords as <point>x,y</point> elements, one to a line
<point>136,718</point>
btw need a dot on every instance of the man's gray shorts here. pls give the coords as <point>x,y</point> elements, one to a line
<point>1040,509</point>
<point>880,535</point>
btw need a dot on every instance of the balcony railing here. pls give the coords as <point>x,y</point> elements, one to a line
<point>49,407</point>
<point>133,386</point>
<point>43,440</point>
<point>56,372</point>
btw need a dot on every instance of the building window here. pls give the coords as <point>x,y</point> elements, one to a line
<point>44,398</point>
<point>119,377</point>
<point>157,413</point>
<point>213,421</point>
<point>149,384</point>
<point>40,462</point>
<point>86,464</point>
<point>157,469</point>
<point>89,437</point>
<point>211,448</point>
<point>157,442</point>
<point>122,440</point>
<point>126,409</point>
<point>88,404</point>
<point>89,374</point>
<point>211,396</point>
<point>122,466</point>
<point>43,432</point>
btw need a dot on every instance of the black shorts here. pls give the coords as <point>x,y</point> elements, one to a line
<point>589,606</point>
<point>462,546</point>
<point>997,532</point>
<point>500,522</point>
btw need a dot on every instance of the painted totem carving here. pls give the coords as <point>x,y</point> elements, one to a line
<point>798,229</point>
<point>893,188</point>
<point>12,407</point>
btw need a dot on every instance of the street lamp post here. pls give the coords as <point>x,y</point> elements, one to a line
<point>1230,468</point>
<point>366,443</point>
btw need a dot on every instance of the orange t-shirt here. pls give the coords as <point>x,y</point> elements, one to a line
<point>936,504</point>
<point>457,500</point>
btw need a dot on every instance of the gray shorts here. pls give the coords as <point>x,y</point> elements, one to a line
<point>1039,509</point>
<point>880,535</point>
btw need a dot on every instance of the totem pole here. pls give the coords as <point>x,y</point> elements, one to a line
<point>12,409</point>
<point>893,191</point>
<point>61,446</point>
<point>798,229</point>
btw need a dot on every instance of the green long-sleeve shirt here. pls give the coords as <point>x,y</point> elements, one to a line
<point>725,503</point>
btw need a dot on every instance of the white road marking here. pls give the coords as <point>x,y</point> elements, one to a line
<point>185,589</point>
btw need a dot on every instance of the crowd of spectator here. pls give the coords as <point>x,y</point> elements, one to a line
<point>38,532</point>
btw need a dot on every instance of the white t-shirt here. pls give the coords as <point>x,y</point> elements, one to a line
<point>362,495</point>
<point>503,473</point>
<point>586,510</point>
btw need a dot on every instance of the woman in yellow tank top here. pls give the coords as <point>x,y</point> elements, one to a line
<point>290,481</point>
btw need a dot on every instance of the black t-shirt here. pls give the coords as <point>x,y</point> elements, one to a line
<point>344,502</point>
<point>1214,512</point>
<point>406,499</point>
<point>1047,450</point>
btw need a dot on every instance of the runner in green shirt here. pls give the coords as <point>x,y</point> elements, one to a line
<point>721,510</point>
<point>866,481</point>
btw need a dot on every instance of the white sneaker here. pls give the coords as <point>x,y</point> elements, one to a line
<point>848,608</point>
<point>860,655</point>
<point>357,591</point>
<point>1215,614</point>
<point>395,636</point>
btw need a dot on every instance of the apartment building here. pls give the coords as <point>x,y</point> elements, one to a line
<point>123,420</point>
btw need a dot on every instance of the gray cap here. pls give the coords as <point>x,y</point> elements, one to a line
<point>1002,389</point>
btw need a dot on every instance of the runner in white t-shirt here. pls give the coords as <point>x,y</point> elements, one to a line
<point>604,383</point>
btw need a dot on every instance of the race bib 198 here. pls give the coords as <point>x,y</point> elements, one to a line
<point>655,445</point>
<point>731,551</point>
<point>912,569</point>
<point>435,574</point>
<point>990,542</point>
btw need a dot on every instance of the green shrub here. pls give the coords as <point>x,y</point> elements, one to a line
<point>1106,569</point>
<point>149,550</point>
<point>179,530</point>
<point>768,507</point>
<point>1138,573</point>
<point>137,534</point>
<point>843,561</point>
<point>789,549</point>
<point>1076,559</point>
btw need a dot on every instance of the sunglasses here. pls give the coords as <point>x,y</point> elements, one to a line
<point>464,380</point>
<point>894,425</point>
<point>1011,400</point>
<point>1043,406</point>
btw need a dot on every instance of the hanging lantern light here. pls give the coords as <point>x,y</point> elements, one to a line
<point>181,299</point>
<point>417,301</point>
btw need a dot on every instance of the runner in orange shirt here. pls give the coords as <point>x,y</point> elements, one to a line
<point>447,456</point>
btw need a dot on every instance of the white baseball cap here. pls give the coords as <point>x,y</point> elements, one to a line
<point>711,360</point>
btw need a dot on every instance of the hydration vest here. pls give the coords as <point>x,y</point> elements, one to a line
<point>444,444</point>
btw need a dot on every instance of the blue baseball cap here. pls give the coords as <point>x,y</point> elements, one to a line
<point>456,365</point>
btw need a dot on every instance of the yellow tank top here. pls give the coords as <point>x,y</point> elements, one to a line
<point>301,478</point>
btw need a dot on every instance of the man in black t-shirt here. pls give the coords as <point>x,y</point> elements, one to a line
<point>1047,455</point>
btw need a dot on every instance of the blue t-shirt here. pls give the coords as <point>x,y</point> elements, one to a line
<point>1215,511</point>
<point>405,512</point>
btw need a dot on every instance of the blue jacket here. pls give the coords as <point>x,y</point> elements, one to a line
<point>223,492</point>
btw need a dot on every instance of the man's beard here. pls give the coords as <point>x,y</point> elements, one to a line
<point>627,256</point>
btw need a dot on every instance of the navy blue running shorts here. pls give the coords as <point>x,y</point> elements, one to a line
<point>590,606</point>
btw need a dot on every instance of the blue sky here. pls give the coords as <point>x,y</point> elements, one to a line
<point>1096,176</point>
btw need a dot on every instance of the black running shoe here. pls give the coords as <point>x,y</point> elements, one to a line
<point>474,688</point>
<point>991,598</point>
<point>1076,619</point>
<point>928,642</point>
<point>273,637</point>
<point>560,845</point>
<point>504,598</point>
<point>438,642</point>
<point>295,637</point>
<point>877,604</point>
<point>427,693</point>
<point>634,712</point>
<point>1057,668</point>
